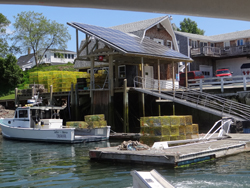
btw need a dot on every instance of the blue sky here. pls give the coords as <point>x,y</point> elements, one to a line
<point>108,18</point>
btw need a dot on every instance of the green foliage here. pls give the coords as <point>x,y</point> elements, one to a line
<point>39,33</point>
<point>4,22</point>
<point>10,74</point>
<point>189,26</point>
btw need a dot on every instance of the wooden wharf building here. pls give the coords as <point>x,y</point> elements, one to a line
<point>125,56</point>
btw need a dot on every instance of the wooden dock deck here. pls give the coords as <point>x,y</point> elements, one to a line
<point>177,155</point>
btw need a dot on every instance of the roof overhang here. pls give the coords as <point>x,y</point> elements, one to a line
<point>228,9</point>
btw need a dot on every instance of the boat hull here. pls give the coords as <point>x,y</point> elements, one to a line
<point>60,135</point>
<point>66,135</point>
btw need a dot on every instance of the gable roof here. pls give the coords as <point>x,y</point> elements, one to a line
<point>218,38</point>
<point>129,43</point>
<point>140,25</point>
<point>25,59</point>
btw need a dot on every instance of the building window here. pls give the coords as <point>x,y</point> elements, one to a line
<point>55,56</point>
<point>194,44</point>
<point>122,71</point>
<point>68,56</point>
<point>169,44</point>
<point>65,55</point>
<point>226,43</point>
<point>160,41</point>
<point>240,42</point>
<point>72,56</point>
<point>45,56</point>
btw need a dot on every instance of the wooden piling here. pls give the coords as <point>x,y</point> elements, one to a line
<point>16,97</point>
<point>72,102</point>
<point>111,93</point>
<point>76,102</point>
<point>51,94</point>
<point>125,107</point>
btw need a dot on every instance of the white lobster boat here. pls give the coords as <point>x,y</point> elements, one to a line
<point>36,123</point>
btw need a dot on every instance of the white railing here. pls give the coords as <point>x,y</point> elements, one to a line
<point>223,128</point>
<point>221,51</point>
<point>220,82</point>
<point>191,97</point>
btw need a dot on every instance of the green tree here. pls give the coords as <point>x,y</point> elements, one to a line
<point>189,26</point>
<point>10,73</point>
<point>33,30</point>
<point>4,23</point>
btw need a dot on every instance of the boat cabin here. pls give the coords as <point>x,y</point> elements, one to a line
<point>44,117</point>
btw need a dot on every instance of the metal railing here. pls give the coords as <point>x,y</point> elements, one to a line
<point>221,51</point>
<point>220,82</point>
<point>223,128</point>
<point>193,98</point>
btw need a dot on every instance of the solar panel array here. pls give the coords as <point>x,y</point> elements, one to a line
<point>128,43</point>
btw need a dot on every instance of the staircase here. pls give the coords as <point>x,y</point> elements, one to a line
<point>196,99</point>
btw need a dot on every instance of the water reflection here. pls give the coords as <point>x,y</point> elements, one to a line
<point>28,164</point>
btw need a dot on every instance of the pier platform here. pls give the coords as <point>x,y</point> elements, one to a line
<point>178,155</point>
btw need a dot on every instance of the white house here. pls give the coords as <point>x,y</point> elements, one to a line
<point>52,56</point>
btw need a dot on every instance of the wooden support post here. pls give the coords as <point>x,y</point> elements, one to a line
<point>143,97</point>
<point>186,76</point>
<point>111,93</point>
<point>159,86</point>
<point>72,102</point>
<point>111,77</point>
<point>77,45</point>
<point>125,107</point>
<point>173,79</point>
<point>33,91</point>
<point>87,47</point>
<point>116,75</point>
<point>92,79</point>
<point>16,97</point>
<point>51,95</point>
<point>76,102</point>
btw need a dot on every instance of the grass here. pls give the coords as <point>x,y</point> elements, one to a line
<point>46,67</point>
<point>7,97</point>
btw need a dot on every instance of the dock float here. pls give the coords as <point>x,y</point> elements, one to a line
<point>179,155</point>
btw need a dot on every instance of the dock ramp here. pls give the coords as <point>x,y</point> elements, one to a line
<point>196,99</point>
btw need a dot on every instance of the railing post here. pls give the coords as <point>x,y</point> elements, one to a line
<point>222,84</point>
<point>245,83</point>
<point>200,85</point>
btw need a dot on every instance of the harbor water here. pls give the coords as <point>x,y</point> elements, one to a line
<point>34,164</point>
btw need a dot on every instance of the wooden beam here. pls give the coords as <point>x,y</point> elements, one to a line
<point>84,46</point>
<point>77,45</point>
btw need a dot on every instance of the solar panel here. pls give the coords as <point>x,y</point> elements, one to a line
<point>128,43</point>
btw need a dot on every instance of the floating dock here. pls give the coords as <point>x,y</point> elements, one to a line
<point>193,152</point>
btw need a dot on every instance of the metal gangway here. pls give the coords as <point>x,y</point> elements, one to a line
<point>190,97</point>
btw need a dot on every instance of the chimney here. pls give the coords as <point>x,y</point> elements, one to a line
<point>28,50</point>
